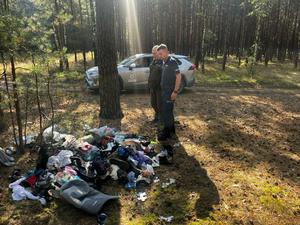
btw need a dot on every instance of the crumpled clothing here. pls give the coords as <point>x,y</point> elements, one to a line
<point>65,176</point>
<point>70,171</point>
<point>103,131</point>
<point>88,138</point>
<point>146,175</point>
<point>141,158</point>
<point>119,138</point>
<point>89,152</point>
<point>85,146</point>
<point>121,151</point>
<point>114,172</point>
<point>57,136</point>
<point>47,134</point>
<point>44,180</point>
<point>31,180</point>
<point>101,167</point>
<point>20,193</point>
<point>60,160</point>
<point>70,142</point>
<point>147,171</point>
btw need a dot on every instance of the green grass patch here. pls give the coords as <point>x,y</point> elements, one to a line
<point>275,75</point>
<point>272,198</point>
<point>68,76</point>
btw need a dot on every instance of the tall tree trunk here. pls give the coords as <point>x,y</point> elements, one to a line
<point>59,36</point>
<point>202,48</point>
<point>51,102</point>
<point>2,119</point>
<point>17,104</point>
<point>199,25</point>
<point>93,25</point>
<point>83,44</point>
<point>110,107</point>
<point>203,39</point>
<point>26,113</point>
<point>241,36</point>
<point>75,56</point>
<point>9,101</point>
<point>297,38</point>
<point>84,59</point>
<point>226,34</point>
<point>256,43</point>
<point>37,95</point>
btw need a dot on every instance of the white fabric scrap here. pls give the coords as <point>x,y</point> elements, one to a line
<point>60,160</point>
<point>167,184</point>
<point>168,219</point>
<point>142,196</point>
<point>20,193</point>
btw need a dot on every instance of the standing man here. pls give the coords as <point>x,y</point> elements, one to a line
<point>154,84</point>
<point>170,83</point>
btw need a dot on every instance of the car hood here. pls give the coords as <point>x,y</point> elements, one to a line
<point>93,71</point>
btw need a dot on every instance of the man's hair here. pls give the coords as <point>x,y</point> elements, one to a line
<point>155,47</point>
<point>162,47</point>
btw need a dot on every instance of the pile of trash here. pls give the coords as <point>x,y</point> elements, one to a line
<point>78,167</point>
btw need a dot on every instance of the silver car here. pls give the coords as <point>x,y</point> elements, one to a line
<point>134,72</point>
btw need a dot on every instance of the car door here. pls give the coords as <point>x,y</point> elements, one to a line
<point>141,72</point>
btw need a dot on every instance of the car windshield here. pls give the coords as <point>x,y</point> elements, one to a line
<point>127,60</point>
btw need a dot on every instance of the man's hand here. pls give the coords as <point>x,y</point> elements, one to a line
<point>173,96</point>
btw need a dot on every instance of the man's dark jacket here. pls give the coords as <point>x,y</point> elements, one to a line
<point>155,74</point>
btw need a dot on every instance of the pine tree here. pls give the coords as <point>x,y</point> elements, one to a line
<point>109,83</point>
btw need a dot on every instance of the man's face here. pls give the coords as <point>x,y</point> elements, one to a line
<point>163,54</point>
<point>154,53</point>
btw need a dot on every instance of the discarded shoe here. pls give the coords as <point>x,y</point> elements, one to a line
<point>101,219</point>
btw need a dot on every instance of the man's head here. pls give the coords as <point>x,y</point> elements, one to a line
<point>154,52</point>
<point>163,52</point>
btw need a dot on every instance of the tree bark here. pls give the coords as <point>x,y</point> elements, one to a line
<point>75,56</point>
<point>2,120</point>
<point>17,104</point>
<point>110,107</point>
<point>9,102</point>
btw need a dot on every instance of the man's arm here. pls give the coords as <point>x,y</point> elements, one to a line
<point>177,86</point>
<point>178,81</point>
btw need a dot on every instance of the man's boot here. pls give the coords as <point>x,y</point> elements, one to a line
<point>156,119</point>
<point>164,135</point>
<point>172,130</point>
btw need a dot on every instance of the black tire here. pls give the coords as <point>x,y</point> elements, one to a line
<point>182,86</point>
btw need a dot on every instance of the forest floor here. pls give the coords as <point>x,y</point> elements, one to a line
<point>238,161</point>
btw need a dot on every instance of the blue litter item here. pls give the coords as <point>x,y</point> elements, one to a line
<point>121,151</point>
<point>131,181</point>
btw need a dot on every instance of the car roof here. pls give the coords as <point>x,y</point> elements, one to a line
<point>150,55</point>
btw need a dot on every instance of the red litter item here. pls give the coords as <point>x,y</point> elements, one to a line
<point>31,180</point>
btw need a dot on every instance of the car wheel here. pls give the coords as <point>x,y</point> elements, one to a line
<point>182,85</point>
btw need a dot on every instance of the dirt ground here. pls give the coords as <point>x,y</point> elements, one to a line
<point>238,161</point>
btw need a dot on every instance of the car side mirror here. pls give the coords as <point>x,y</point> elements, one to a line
<point>132,65</point>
